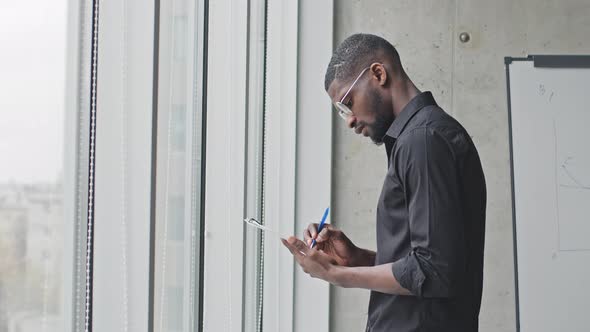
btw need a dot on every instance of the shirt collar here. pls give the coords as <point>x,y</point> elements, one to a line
<point>417,103</point>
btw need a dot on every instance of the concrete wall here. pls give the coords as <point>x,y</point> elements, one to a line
<point>468,81</point>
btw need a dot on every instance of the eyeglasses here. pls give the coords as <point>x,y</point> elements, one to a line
<point>343,110</point>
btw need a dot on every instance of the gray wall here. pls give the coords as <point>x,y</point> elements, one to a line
<point>468,81</point>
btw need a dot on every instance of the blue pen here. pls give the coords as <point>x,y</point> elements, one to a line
<point>321,225</point>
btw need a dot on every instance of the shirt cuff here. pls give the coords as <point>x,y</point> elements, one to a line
<point>409,274</point>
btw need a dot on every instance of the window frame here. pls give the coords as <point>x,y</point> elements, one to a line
<point>125,66</point>
<point>297,159</point>
<point>225,169</point>
<point>77,104</point>
<point>192,147</point>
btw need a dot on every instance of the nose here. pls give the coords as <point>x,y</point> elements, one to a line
<point>351,121</point>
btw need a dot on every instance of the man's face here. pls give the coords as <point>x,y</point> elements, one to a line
<point>372,115</point>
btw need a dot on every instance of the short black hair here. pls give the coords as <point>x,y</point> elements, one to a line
<point>358,51</point>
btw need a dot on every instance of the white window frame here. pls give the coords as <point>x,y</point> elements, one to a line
<point>298,163</point>
<point>77,104</point>
<point>298,160</point>
<point>192,12</point>
<point>225,165</point>
<point>112,309</point>
<point>125,164</point>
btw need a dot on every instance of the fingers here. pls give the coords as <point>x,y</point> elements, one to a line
<point>316,263</point>
<point>325,234</point>
<point>310,233</point>
<point>297,248</point>
<point>298,245</point>
<point>311,230</point>
<point>296,254</point>
<point>307,233</point>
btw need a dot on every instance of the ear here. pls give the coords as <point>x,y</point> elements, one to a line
<point>379,73</point>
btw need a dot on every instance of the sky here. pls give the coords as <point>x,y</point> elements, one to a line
<point>32,86</point>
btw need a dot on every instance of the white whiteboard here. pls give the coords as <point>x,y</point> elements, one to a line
<point>550,142</point>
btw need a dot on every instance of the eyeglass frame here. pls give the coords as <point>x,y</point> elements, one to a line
<point>344,111</point>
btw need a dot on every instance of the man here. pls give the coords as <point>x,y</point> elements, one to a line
<point>426,274</point>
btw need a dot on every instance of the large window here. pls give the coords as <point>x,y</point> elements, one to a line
<point>137,136</point>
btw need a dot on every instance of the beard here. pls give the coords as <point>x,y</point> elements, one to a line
<point>383,120</point>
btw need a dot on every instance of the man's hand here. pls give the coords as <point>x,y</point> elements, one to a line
<point>313,262</point>
<point>320,265</point>
<point>337,245</point>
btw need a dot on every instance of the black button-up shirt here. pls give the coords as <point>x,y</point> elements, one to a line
<point>430,224</point>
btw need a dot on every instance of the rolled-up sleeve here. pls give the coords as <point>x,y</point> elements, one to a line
<point>427,167</point>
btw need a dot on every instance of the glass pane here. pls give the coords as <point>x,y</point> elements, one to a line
<point>32,208</point>
<point>178,215</point>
